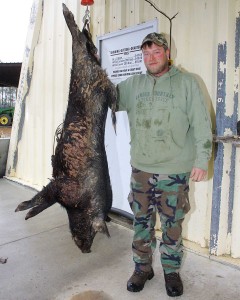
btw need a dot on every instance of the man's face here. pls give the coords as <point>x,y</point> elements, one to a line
<point>155,59</point>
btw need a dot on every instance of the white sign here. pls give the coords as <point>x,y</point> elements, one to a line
<point>125,62</point>
<point>121,57</point>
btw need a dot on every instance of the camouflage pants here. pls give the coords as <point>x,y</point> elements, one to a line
<point>167,194</point>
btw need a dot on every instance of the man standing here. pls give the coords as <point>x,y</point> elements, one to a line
<point>171,141</point>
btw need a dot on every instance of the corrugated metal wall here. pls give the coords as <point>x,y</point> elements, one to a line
<point>199,30</point>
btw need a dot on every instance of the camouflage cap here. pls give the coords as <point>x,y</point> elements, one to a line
<point>156,38</point>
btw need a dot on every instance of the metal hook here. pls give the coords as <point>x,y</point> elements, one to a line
<point>86,18</point>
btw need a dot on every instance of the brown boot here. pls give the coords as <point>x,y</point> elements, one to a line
<point>173,283</point>
<point>138,279</point>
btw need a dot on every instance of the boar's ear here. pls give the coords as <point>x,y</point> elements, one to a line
<point>100,226</point>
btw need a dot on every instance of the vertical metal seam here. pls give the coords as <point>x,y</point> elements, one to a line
<point>218,163</point>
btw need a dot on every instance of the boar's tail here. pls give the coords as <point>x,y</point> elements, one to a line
<point>99,225</point>
<point>44,199</point>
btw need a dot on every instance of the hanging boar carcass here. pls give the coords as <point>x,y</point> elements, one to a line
<point>81,180</point>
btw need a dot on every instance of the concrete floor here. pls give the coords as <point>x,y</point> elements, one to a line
<point>44,264</point>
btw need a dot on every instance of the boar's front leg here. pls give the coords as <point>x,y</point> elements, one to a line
<point>44,199</point>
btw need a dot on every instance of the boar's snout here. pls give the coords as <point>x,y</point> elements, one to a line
<point>83,244</point>
<point>84,237</point>
<point>84,228</point>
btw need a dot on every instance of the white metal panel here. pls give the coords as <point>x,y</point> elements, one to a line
<point>15,158</point>
<point>197,29</point>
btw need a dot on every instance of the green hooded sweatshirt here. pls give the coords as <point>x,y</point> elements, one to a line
<point>170,126</point>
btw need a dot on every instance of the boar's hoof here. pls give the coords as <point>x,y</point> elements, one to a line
<point>23,206</point>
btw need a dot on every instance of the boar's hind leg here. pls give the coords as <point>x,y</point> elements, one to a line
<point>39,202</point>
<point>69,18</point>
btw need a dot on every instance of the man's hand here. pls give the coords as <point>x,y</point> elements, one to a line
<point>198,174</point>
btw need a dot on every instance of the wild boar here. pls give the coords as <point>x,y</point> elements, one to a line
<point>81,181</point>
